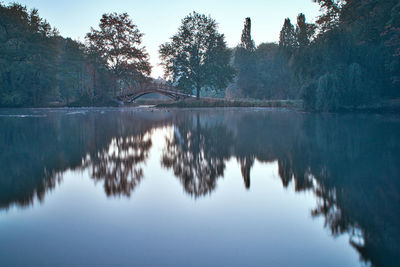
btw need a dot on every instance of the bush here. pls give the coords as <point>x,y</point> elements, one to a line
<point>346,87</point>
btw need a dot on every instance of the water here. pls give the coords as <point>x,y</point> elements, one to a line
<point>233,187</point>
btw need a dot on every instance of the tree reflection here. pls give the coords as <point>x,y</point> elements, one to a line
<point>350,163</point>
<point>246,163</point>
<point>119,164</point>
<point>38,149</point>
<point>197,152</point>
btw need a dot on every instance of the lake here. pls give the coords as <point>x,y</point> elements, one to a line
<point>223,187</point>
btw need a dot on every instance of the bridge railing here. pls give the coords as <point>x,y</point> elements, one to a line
<point>149,87</point>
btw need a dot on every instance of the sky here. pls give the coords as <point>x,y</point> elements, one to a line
<point>159,20</point>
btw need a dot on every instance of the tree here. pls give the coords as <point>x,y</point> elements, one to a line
<point>118,42</point>
<point>197,57</point>
<point>245,62</point>
<point>274,75</point>
<point>246,40</point>
<point>304,31</point>
<point>70,64</point>
<point>287,38</point>
<point>331,16</point>
<point>37,66</point>
<point>392,43</point>
<point>27,45</point>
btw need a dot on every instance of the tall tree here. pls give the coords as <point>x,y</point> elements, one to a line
<point>38,66</point>
<point>245,62</point>
<point>27,53</point>
<point>197,57</point>
<point>119,42</point>
<point>304,31</point>
<point>331,13</point>
<point>287,38</point>
<point>246,40</point>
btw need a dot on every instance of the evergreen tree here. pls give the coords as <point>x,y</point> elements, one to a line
<point>197,57</point>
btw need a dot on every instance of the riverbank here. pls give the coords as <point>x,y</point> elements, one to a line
<point>217,103</point>
<point>383,107</point>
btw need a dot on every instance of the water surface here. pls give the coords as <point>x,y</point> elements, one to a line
<point>228,187</point>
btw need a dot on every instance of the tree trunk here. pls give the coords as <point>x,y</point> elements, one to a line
<point>198,92</point>
<point>94,82</point>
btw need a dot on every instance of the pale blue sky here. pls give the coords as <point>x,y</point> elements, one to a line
<point>159,20</point>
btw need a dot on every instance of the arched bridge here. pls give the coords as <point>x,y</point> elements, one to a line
<point>152,88</point>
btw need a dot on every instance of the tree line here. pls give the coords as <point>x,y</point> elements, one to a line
<point>348,58</point>
<point>39,67</point>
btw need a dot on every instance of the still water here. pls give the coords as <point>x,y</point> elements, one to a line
<point>229,187</point>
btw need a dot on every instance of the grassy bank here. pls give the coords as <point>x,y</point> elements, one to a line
<point>214,103</point>
<point>386,106</point>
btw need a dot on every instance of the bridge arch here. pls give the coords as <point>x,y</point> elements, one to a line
<point>140,94</point>
<point>153,88</point>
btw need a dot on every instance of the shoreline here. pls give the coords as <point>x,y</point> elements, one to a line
<point>384,107</point>
<point>234,103</point>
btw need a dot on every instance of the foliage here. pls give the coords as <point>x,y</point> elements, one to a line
<point>331,13</point>
<point>349,64</point>
<point>352,61</point>
<point>275,75</point>
<point>27,45</point>
<point>197,57</point>
<point>350,58</point>
<point>245,62</point>
<point>287,37</point>
<point>246,41</point>
<point>38,67</point>
<point>118,43</point>
<point>264,72</point>
<point>304,31</point>
<point>391,36</point>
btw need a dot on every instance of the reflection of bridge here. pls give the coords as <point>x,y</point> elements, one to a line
<point>152,88</point>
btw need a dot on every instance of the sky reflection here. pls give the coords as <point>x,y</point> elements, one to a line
<point>132,187</point>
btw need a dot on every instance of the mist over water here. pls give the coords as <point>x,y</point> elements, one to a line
<point>148,187</point>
